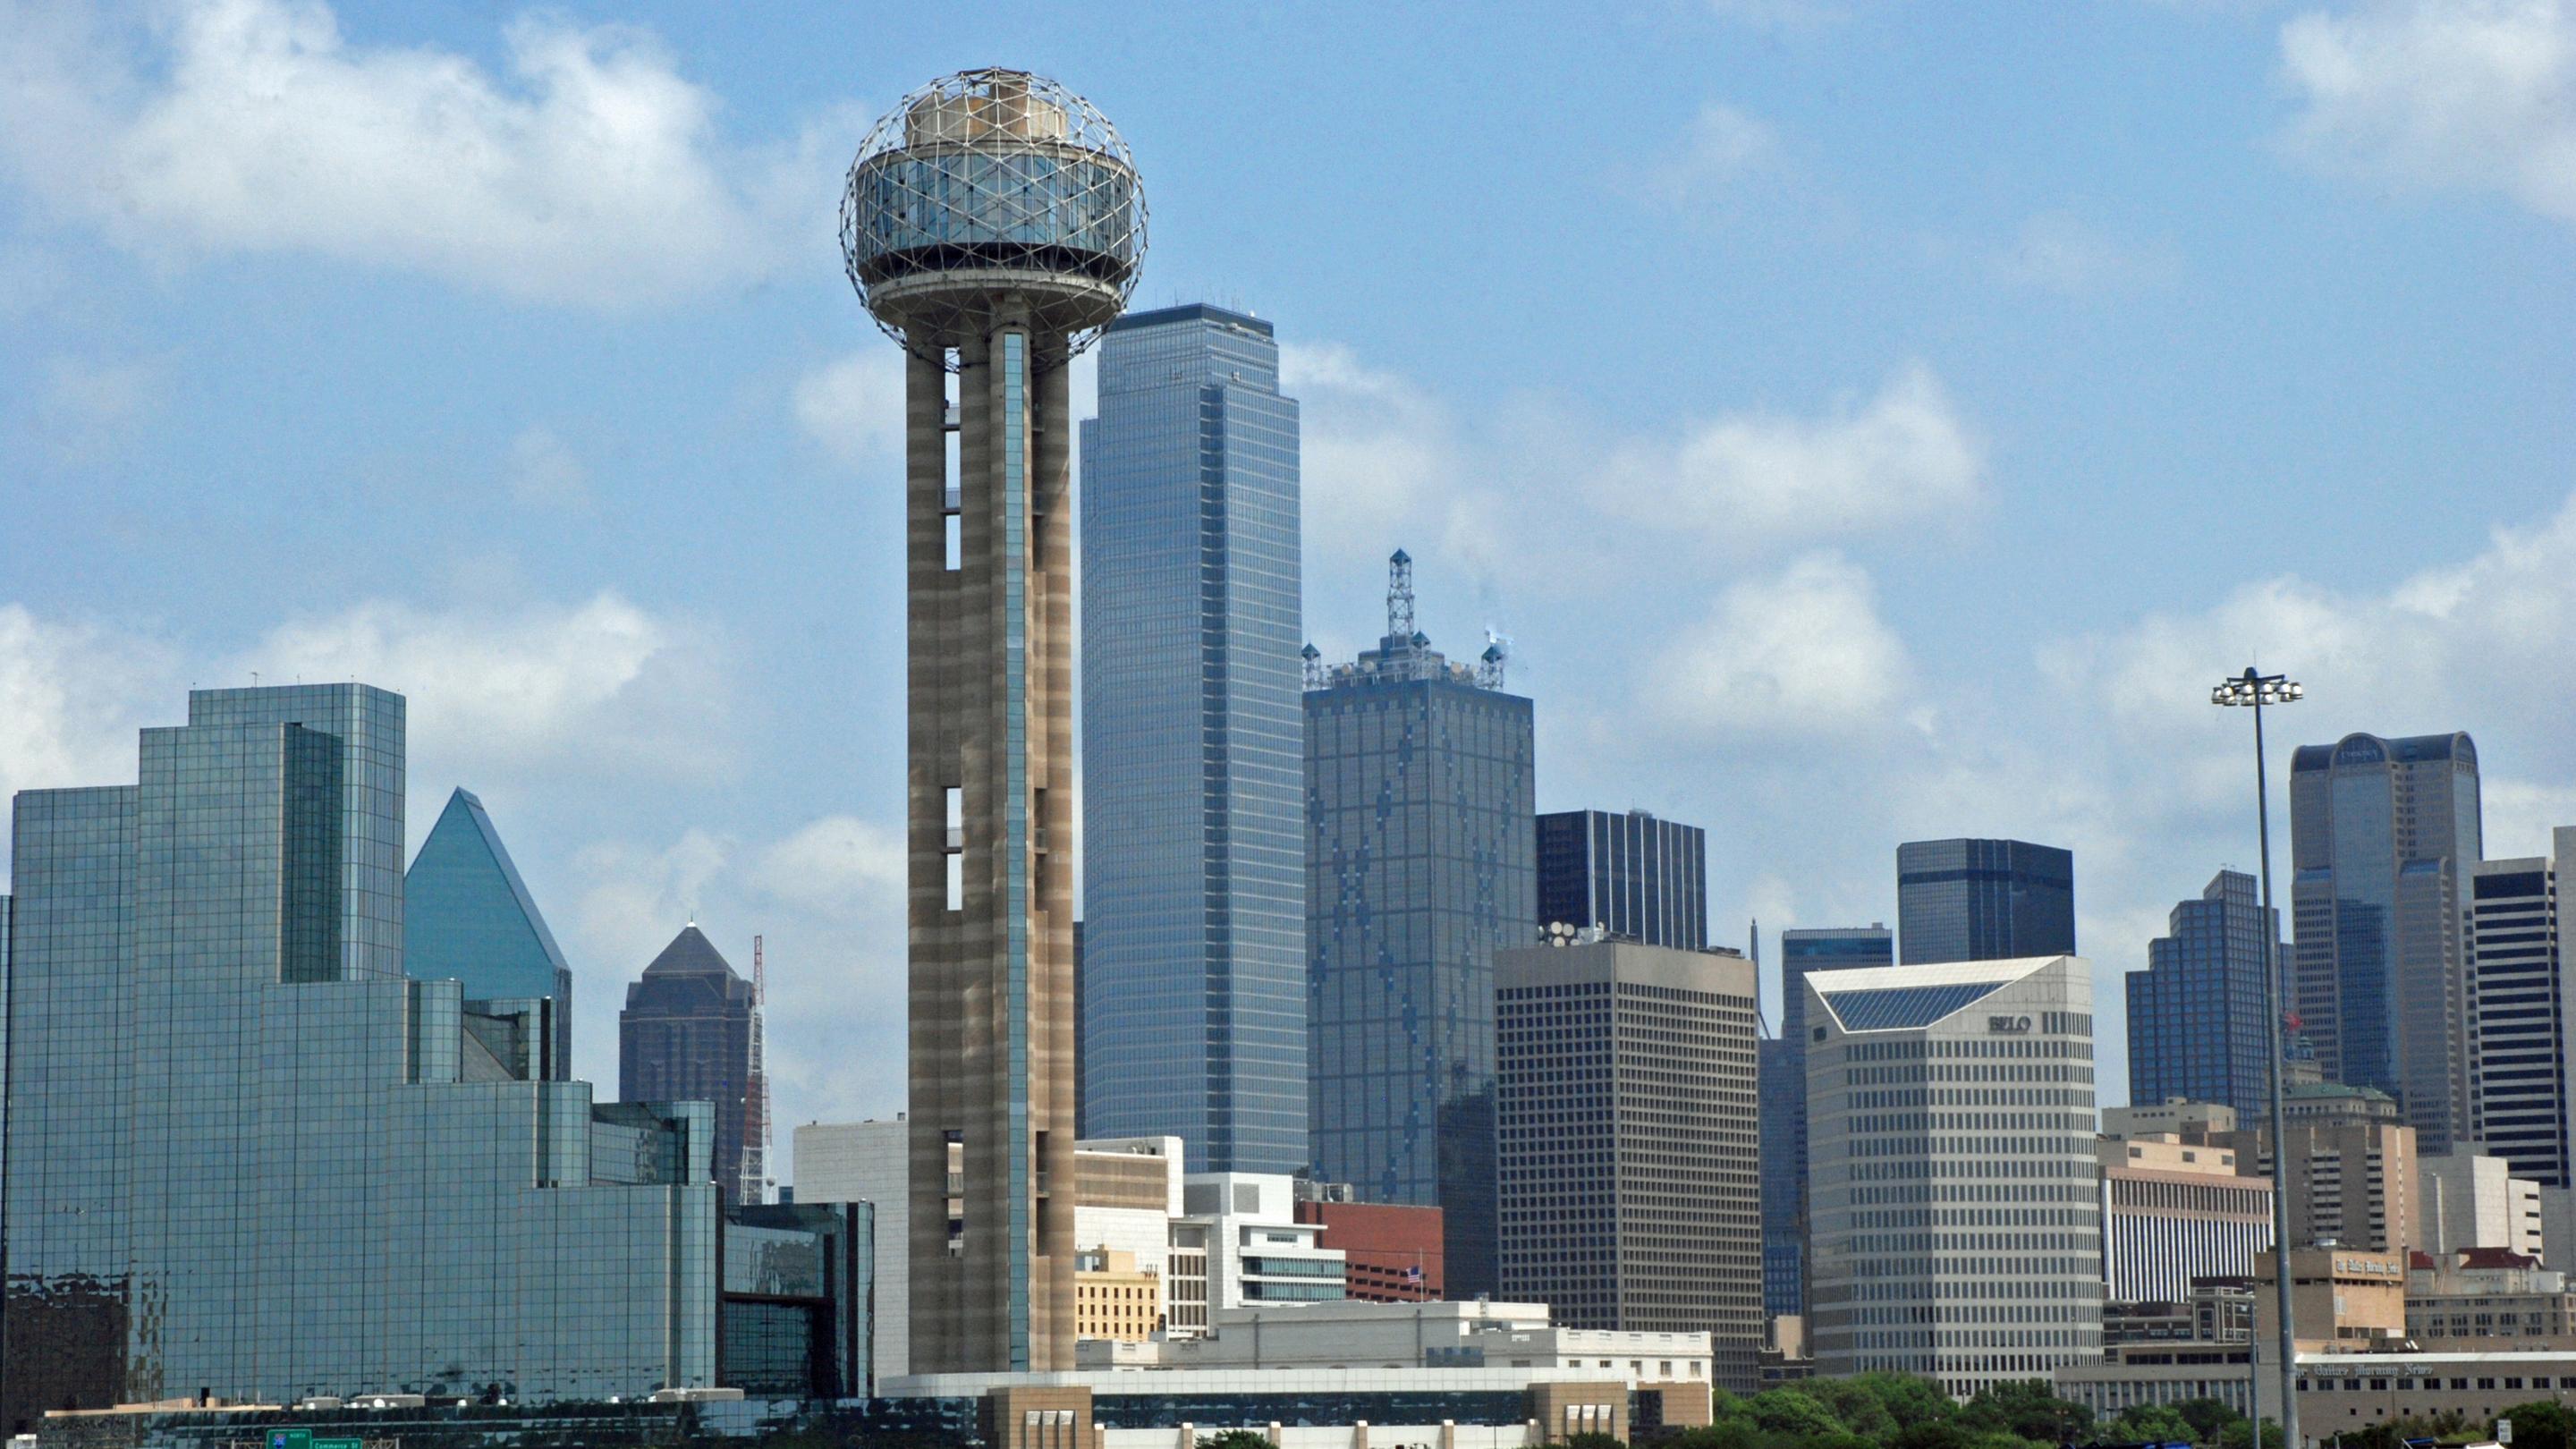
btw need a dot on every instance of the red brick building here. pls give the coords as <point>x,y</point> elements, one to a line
<point>1394,1250</point>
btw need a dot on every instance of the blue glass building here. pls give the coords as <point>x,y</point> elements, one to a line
<point>2384,835</point>
<point>1634,876</point>
<point>468,917</point>
<point>1983,900</point>
<point>1784,1101</point>
<point>1419,790</point>
<point>685,1036</point>
<point>248,1155</point>
<point>1193,992</point>
<point>2196,1014</point>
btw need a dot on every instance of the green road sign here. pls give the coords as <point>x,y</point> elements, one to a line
<point>290,1439</point>
<point>339,1444</point>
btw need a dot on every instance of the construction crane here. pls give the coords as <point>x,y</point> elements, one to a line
<point>754,1183</point>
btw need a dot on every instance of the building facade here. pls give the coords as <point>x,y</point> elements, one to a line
<point>2383,837</point>
<point>1983,900</point>
<point>1194,992</point>
<point>1784,1101</point>
<point>2174,1212</point>
<point>2349,1170</point>
<point>1957,1226</point>
<point>468,917</point>
<point>1628,1149</point>
<point>2199,1028</point>
<point>249,1156</point>
<point>2522,1004</point>
<point>1419,789</point>
<point>865,1162</point>
<point>685,1036</point>
<point>1632,876</point>
<point>2471,1200</point>
<point>1393,1251</point>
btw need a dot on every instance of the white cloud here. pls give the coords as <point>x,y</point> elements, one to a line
<point>2060,252</point>
<point>1377,450</point>
<point>589,173</point>
<point>1720,146</point>
<point>1904,457</point>
<point>602,683</point>
<point>1799,653</point>
<point>545,473</point>
<point>853,407</point>
<point>2477,94</point>
<point>838,866</point>
<point>72,695</point>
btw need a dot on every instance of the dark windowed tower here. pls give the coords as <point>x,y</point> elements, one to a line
<point>994,225</point>
<point>1634,876</point>
<point>685,1036</point>
<point>1419,781</point>
<point>1784,1101</point>
<point>1194,864</point>
<point>2196,1014</point>
<point>2524,987</point>
<point>1983,900</point>
<point>468,916</point>
<point>2383,837</point>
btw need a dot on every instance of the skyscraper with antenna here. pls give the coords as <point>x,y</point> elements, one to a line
<point>1420,788</point>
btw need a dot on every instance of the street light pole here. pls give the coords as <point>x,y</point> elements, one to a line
<point>2258,690</point>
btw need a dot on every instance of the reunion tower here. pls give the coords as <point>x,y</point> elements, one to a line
<point>993,224</point>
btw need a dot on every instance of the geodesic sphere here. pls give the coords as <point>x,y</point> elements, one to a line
<point>986,192</point>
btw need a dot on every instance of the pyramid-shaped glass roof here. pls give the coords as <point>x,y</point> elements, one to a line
<point>468,916</point>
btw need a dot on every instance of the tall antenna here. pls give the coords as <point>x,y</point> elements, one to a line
<point>1399,596</point>
<point>754,1186</point>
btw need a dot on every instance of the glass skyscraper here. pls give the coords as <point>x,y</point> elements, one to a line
<point>249,1156</point>
<point>1419,789</point>
<point>1784,1101</point>
<point>2384,835</point>
<point>1193,931</point>
<point>1983,900</point>
<point>1634,876</point>
<point>2196,1014</point>
<point>468,917</point>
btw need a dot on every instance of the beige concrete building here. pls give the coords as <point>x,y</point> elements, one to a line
<point>2472,1200</point>
<point>2346,1300</point>
<point>2350,1169</point>
<point>1628,1149</point>
<point>2175,1117</point>
<point>2488,1299</point>
<point>1114,1298</point>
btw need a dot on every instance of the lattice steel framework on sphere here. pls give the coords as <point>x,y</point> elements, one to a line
<point>990,188</point>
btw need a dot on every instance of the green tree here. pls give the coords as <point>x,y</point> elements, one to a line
<point>2150,1423</point>
<point>1235,1439</point>
<point>2208,1418</point>
<point>2234,1436</point>
<point>2028,1409</point>
<point>1795,1413</point>
<point>1593,1441</point>
<point>2541,1425</point>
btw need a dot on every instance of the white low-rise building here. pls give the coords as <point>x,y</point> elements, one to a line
<point>1353,1334</point>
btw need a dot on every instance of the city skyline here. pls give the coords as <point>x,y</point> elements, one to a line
<point>505,478</point>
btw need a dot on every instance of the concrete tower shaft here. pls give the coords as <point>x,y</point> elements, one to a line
<point>993,224</point>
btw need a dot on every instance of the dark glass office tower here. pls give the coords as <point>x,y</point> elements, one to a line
<point>2525,975</point>
<point>1784,1101</point>
<point>1634,876</point>
<point>1419,782</point>
<point>1983,900</point>
<point>685,1036</point>
<point>2383,837</point>
<point>1194,918</point>
<point>250,1156</point>
<point>468,917</point>
<point>2196,1014</point>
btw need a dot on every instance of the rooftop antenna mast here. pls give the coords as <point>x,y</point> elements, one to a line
<point>1399,597</point>
<point>754,1187</point>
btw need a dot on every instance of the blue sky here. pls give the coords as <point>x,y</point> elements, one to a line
<point>1867,420</point>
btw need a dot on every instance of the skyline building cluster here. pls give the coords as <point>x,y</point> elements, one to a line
<point>1349,1025</point>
